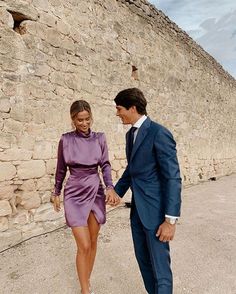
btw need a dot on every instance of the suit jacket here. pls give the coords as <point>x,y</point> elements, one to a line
<point>152,174</point>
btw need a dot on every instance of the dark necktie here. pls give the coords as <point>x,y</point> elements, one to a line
<point>131,140</point>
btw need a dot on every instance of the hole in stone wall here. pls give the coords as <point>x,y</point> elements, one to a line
<point>134,74</point>
<point>200,176</point>
<point>18,18</point>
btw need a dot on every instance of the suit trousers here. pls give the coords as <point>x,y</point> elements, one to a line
<point>153,257</point>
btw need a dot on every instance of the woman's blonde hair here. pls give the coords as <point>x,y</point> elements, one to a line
<point>79,106</point>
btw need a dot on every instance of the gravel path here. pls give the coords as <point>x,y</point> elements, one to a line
<point>203,252</point>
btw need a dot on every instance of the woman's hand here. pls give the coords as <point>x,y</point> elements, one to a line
<point>56,202</point>
<point>112,198</point>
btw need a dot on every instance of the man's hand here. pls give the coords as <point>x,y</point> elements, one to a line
<point>112,198</point>
<point>166,232</point>
<point>56,203</point>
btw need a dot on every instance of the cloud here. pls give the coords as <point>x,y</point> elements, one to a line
<point>219,40</point>
<point>189,14</point>
<point>233,34</point>
<point>210,22</point>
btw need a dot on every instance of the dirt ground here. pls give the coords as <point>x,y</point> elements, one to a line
<point>203,252</point>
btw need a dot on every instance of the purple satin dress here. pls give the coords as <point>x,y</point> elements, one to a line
<point>83,192</point>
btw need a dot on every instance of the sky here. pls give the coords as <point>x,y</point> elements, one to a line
<point>211,23</point>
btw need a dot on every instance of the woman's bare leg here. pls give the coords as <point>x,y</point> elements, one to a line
<point>82,238</point>
<point>94,228</point>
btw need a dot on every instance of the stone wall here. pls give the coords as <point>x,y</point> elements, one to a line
<point>53,52</point>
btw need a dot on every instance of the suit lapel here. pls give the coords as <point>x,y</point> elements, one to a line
<point>142,133</point>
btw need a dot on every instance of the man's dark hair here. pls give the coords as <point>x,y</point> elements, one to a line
<point>132,97</point>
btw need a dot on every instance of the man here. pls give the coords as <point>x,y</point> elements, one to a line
<point>153,175</point>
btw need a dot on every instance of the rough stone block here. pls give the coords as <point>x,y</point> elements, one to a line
<point>12,202</point>
<point>114,175</point>
<point>6,191</point>
<point>5,208</point>
<point>54,37</point>
<point>120,173</point>
<point>21,218</point>
<point>48,19</point>
<point>5,47</point>
<point>73,81</point>
<point>42,150</point>
<point>44,184</point>
<point>42,70</point>
<point>13,127</point>
<point>15,154</point>
<point>5,105</point>
<point>51,166</point>
<point>116,165</point>
<point>57,78</point>
<point>123,163</point>
<point>68,44</point>
<point>28,185</point>
<point>63,92</point>
<point>10,64</point>
<point>45,213</point>
<point>20,113</point>
<point>31,169</point>
<point>29,28</point>
<point>25,141</point>
<point>29,200</point>
<point>6,18</point>
<point>1,126</point>
<point>22,10</point>
<point>120,154</point>
<point>63,27</point>
<point>45,196</point>
<point>3,224</point>
<point>8,171</point>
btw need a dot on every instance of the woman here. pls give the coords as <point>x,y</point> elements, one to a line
<point>83,152</point>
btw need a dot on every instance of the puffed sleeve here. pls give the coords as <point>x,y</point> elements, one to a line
<point>104,162</point>
<point>61,169</point>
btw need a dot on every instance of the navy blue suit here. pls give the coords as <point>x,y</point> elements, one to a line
<point>153,175</point>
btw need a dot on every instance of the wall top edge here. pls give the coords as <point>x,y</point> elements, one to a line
<point>155,16</point>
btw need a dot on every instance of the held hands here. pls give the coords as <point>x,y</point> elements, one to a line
<point>166,232</point>
<point>56,202</point>
<point>112,198</point>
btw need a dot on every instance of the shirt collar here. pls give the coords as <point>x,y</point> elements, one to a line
<point>140,121</point>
